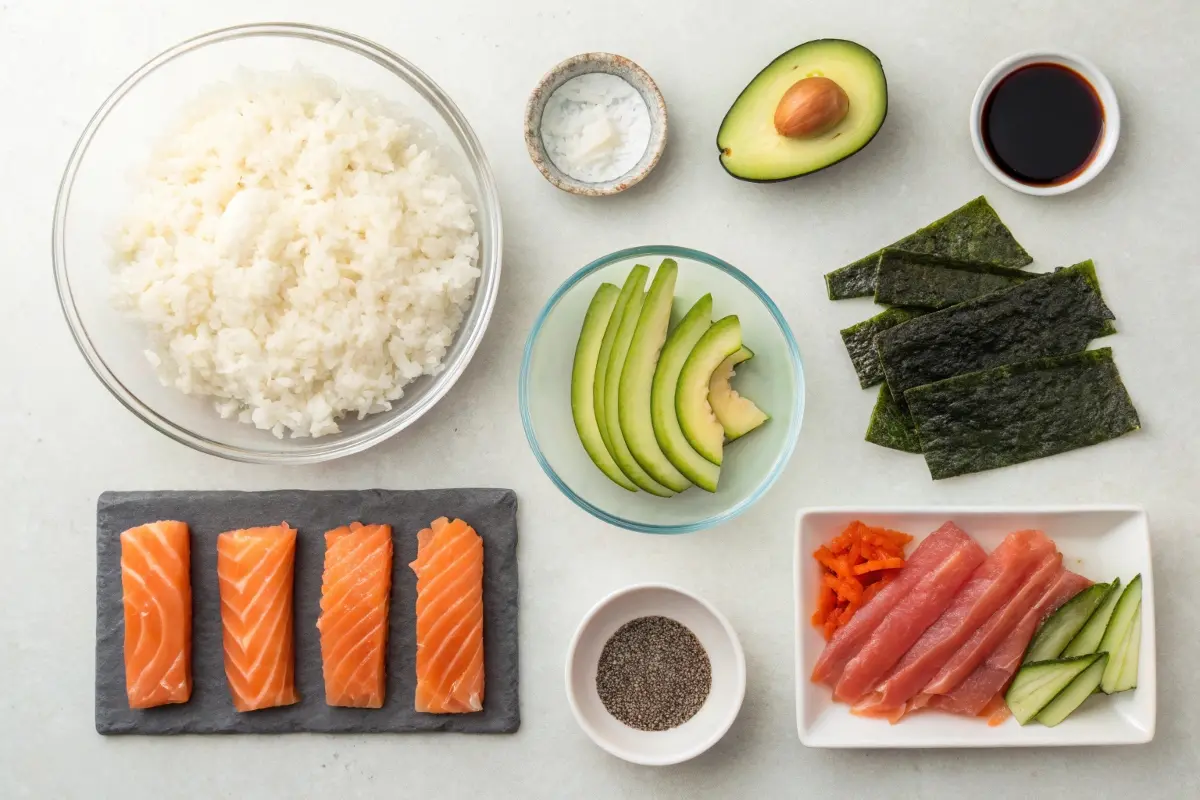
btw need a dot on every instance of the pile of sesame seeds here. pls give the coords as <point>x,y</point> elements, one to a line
<point>653,674</point>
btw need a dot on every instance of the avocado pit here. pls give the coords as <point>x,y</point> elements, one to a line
<point>810,107</point>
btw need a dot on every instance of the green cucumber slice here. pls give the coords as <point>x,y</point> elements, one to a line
<point>1089,636</point>
<point>1117,634</point>
<point>1072,697</point>
<point>1038,683</point>
<point>1061,627</point>
<point>1130,656</point>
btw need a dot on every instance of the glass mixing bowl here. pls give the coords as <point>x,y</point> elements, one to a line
<point>96,189</point>
<point>774,379</point>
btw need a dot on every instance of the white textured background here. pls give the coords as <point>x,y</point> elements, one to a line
<point>65,439</point>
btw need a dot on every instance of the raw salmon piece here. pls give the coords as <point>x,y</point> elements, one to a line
<point>355,592</point>
<point>904,624</point>
<point>157,588</point>
<point>992,677</point>
<point>851,637</point>
<point>255,567</point>
<point>449,569</point>
<point>990,587</point>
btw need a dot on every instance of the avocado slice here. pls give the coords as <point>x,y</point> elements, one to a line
<point>700,426</point>
<point>633,406</point>
<point>606,344</point>
<point>738,415</point>
<point>583,376</point>
<point>752,148</point>
<point>674,444</point>
<point>612,384</point>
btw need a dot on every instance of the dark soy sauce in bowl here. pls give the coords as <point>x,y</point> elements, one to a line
<point>1043,124</point>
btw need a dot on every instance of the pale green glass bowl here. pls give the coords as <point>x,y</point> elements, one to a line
<point>774,379</point>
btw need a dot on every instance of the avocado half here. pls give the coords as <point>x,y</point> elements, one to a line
<point>752,150</point>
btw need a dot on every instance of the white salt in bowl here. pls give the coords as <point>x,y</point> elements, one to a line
<point>720,641</point>
<point>584,64</point>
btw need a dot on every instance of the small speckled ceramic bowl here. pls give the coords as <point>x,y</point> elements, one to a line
<point>583,64</point>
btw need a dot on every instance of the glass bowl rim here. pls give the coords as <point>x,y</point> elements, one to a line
<point>797,364</point>
<point>486,291</point>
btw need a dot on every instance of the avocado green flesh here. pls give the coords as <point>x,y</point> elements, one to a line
<point>583,374</point>
<point>632,283</point>
<point>637,376</point>
<point>616,364</point>
<point>738,415</point>
<point>753,150</point>
<point>696,418</point>
<point>667,431</point>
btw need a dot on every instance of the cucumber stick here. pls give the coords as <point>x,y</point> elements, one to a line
<point>1089,636</point>
<point>1076,692</point>
<point>1037,684</point>
<point>1062,626</point>
<point>1129,658</point>
<point>1118,634</point>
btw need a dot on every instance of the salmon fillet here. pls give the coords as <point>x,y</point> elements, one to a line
<point>255,567</point>
<point>355,591</point>
<point>157,588</point>
<point>449,569</point>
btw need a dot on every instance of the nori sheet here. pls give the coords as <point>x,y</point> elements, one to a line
<point>973,232</point>
<point>1020,412</point>
<point>924,280</point>
<point>892,426</point>
<point>1053,315</point>
<point>860,342</point>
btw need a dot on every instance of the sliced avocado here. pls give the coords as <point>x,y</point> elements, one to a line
<point>612,384</point>
<point>753,149</point>
<point>683,338</point>
<point>738,415</point>
<point>583,375</point>
<point>696,418</point>
<point>610,335</point>
<point>637,376</point>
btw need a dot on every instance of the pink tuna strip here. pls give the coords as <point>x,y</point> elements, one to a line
<point>986,639</point>
<point>992,676</point>
<point>849,639</point>
<point>905,623</point>
<point>989,588</point>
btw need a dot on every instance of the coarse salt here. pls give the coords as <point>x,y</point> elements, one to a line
<point>595,127</point>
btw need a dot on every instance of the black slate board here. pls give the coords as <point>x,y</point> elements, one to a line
<point>492,512</point>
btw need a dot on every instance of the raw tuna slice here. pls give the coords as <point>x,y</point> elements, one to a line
<point>989,588</point>
<point>992,677</point>
<point>987,638</point>
<point>849,639</point>
<point>919,608</point>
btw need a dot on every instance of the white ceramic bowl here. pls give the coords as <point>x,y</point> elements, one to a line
<point>1108,100</point>
<point>1098,542</point>
<point>693,737</point>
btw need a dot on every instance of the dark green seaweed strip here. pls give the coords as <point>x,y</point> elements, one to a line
<point>973,232</point>
<point>1055,314</point>
<point>924,280</point>
<point>891,426</point>
<point>860,342</point>
<point>1020,412</point>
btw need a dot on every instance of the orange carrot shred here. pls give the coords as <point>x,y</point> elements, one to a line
<point>855,566</point>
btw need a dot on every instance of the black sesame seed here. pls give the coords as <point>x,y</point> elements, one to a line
<point>653,674</point>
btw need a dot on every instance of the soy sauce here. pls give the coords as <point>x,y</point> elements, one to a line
<point>1043,124</point>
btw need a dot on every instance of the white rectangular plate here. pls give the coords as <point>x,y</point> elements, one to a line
<point>1098,542</point>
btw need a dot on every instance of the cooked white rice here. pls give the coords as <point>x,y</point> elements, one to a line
<point>297,252</point>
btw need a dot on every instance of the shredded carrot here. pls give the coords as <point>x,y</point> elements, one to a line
<point>855,566</point>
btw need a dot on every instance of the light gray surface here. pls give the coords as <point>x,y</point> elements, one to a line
<point>492,512</point>
<point>66,439</point>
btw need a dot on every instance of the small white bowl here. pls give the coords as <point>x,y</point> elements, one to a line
<point>1093,75</point>
<point>657,748</point>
